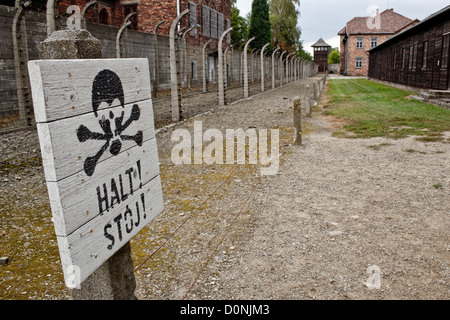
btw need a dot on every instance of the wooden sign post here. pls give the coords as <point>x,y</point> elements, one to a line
<point>96,130</point>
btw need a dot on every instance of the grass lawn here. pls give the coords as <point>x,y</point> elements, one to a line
<point>370,109</point>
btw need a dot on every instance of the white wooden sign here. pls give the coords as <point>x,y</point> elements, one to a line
<point>97,136</point>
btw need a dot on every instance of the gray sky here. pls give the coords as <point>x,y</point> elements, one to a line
<point>325,18</point>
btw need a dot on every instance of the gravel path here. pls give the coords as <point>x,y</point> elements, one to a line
<point>335,208</point>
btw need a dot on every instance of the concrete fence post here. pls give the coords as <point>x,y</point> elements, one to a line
<point>83,12</point>
<point>125,25</point>
<point>225,67</point>
<point>262,65</point>
<point>241,69</point>
<point>51,16</point>
<point>175,103</point>
<point>273,67</point>
<point>253,66</point>
<point>114,279</point>
<point>156,59</point>
<point>20,49</point>
<point>246,68</point>
<point>205,89</point>
<point>297,121</point>
<point>281,67</point>
<point>287,67</point>
<point>220,71</point>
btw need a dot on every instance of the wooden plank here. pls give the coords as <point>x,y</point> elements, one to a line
<point>96,130</point>
<point>78,199</point>
<point>62,152</point>
<point>94,243</point>
<point>67,89</point>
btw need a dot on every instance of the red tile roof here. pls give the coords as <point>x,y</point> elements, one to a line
<point>390,22</point>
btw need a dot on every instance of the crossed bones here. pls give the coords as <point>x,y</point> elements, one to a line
<point>85,134</point>
<point>111,88</point>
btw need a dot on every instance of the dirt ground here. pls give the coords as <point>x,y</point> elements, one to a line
<point>335,208</point>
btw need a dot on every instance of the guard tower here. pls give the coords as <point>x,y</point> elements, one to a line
<point>321,49</point>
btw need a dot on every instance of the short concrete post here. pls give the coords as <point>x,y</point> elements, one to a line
<point>246,68</point>
<point>308,101</point>
<point>317,91</point>
<point>115,279</point>
<point>297,121</point>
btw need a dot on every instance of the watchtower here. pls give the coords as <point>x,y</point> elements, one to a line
<point>321,49</point>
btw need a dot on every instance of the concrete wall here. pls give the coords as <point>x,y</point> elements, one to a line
<point>334,68</point>
<point>134,44</point>
<point>37,31</point>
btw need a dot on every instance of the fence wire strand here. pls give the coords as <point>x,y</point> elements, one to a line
<point>186,220</point>
<point>223,237</point>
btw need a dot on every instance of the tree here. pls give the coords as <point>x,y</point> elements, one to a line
<point>334,56</point>
<point>260,26</point>
<point>239,24</point>
<point>302,53</point>
<point>283,17</point>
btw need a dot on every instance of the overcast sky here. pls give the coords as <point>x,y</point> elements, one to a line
<point>325,18</point>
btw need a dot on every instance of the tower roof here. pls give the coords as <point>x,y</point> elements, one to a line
<point>321,43</point>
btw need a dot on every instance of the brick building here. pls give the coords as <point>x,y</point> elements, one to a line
<point>212,15</point>
<point>361,34</point>
<point>321,50</point>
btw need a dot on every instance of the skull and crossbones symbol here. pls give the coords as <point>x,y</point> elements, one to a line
<point>107,87</point>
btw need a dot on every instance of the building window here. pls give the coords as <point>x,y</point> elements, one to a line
<point>373,43</point>
<point>220,25</point>
<point>213,24</point>
<point>445,48</point>
<point>359,63</point>
<point>228,25</point>
<point>134,21</point>
<point>414,57</point>
<point>359,43</point>
<point>194,70</point>
<point>395,60</point>
<point>206,21</point>
<point>193,17</point>
<point>411,57</point>
<point>103,16</point>
<point>403,58</point>
<point>425,54</point>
